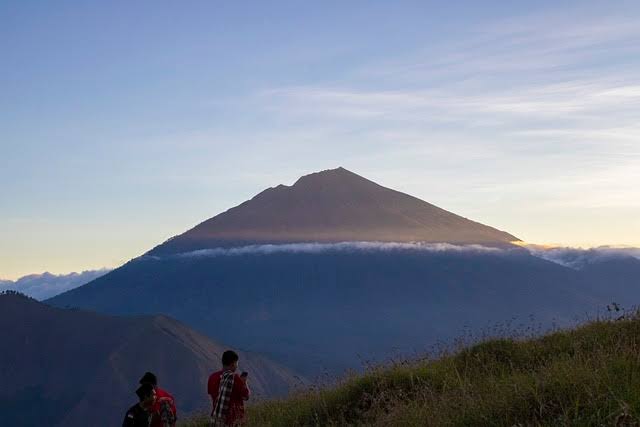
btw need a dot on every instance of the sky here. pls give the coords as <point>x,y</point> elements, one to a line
<point>125,123</point>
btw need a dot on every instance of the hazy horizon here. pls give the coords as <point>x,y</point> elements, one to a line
<point>555,253</point>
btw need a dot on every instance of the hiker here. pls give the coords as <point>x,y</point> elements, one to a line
<point>163,412</point>
<point>228,392</point>
<point>139,415</point>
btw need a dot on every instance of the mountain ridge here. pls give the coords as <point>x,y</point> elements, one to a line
<point>66,360</point>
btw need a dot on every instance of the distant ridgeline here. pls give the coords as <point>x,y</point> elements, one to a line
<point>16,293</point>
<point>336,269</point>
<point>68,366</point>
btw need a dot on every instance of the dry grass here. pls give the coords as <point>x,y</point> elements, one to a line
<point>589,376</point>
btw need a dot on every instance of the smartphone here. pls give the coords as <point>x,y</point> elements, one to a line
<point>245,374</point>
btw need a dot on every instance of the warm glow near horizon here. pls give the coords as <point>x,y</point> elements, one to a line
<point>521,116</point>
<point>61,266</point>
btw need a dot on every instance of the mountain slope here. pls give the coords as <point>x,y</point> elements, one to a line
<point>333,206</point>
<point>317,311</point>
<point>582,377</point>
<point>74,364</point>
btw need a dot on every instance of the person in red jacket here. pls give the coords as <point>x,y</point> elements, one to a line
<point>228,392</point>
<point>163,412</point>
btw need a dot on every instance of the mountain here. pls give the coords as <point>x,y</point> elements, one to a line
<point>336,271</point>
<point>331,310</point>
<point>621,278</point>
<point>79,368</point>
<point>333,206</point>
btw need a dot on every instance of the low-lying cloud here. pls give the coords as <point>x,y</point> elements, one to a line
<point>47,285</point>
<point>319,248</point>
<point>315,248</point>
<point>575,258</point>
<point>578,258</point>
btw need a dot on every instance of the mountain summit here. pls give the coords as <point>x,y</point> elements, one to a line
<point>334,205</point>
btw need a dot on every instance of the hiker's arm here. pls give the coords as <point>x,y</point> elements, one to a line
<point>240,388</point>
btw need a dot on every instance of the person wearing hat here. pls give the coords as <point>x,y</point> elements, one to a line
<point>163,412</point>
<point>139,415</point>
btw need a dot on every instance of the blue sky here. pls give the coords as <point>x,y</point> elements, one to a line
<point>124,123</point>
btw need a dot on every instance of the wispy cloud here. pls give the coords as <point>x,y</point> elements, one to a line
<point>578,258</point>
<point>47,285</point>
<point>549,103</point>
<point>541,65</point>
<point>495,108</point>
<point>318,248</point>
<point>518,46</point>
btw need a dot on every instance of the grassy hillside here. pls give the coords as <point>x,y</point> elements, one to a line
<point>584,377</point>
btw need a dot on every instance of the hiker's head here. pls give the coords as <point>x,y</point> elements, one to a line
<point>230,360</point>
<point>149,378</point>
<point>147,395</point>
